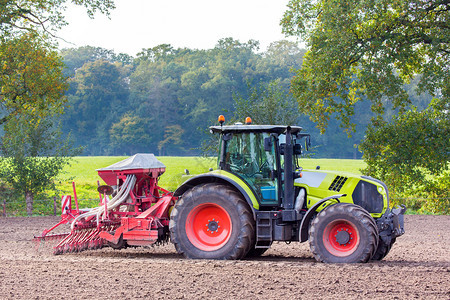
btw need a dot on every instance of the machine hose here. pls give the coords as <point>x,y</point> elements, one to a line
<point>117,200</point>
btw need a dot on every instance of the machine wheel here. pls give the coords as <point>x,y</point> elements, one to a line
<point>383,249</point>
<point>343,233</point>
<point>255,252</point>
<point>212,221</point>
<point>121,244</point>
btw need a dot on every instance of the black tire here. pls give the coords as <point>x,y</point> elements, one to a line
<point>383,249</point>
<point>256,252</point>
<point>343,233</point>
<point>373,224</point>
<point>121,244</point>
<point>229,225</point>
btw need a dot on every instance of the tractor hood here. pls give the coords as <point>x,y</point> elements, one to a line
<point>367,192</point>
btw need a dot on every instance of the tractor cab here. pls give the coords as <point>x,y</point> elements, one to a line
<point>258,155</point>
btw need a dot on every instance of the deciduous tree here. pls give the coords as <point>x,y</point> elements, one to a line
<point>30,70</point>
<point>411,152</point>
<point>33,154</point>
<point>31,79</point>
<point>43,15</point>
<point>267,104</point>
<point>32,88</point>
<point>364,48</point>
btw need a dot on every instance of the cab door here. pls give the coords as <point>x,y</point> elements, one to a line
<point>255,163</point>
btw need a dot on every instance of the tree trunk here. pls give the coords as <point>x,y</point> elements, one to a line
<point>29,201</point>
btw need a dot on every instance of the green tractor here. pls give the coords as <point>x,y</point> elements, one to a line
<point>259,194</point>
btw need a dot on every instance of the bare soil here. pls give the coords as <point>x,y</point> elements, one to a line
<point>418,267</point>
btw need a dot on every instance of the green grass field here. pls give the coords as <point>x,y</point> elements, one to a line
<point>83,171</point>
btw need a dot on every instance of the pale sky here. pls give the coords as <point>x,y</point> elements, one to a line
<point>195,24</point>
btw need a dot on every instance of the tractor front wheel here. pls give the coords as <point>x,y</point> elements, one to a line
<point>212,221</point>
<point>343,233</point>
<point>383,249</point>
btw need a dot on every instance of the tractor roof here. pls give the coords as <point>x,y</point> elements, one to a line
<point>240,128</point>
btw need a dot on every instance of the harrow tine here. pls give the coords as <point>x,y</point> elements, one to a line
<point>82,239</point>
<point>59,248</point>
<point>66,245</point>
<point>47,242</point>
<point>84,242</point>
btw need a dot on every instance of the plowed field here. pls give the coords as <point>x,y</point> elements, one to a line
<point>418,267</point>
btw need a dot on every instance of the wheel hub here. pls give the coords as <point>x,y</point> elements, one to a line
<point>342,237</point>
<point>213,226</point>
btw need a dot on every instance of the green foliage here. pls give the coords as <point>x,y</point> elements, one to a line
<point>411,155</point>
<point>31,77</point>
<point>33,156</point>
<point>166,87</point>
<point>130,131</point>
<point>367,49</point>
<point>267,104</point>
<point>95,104</point>
<point>163,102</point>
<point>42,15</point>
<point>436,195</point>
<point>75,58</point>
<point>172,135</point>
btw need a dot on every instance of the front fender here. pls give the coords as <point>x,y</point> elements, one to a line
<point>304,226</point>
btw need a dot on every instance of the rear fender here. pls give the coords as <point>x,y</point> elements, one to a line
<point>223,177</point>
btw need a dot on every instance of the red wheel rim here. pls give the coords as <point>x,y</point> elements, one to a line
<point>341,238</point>
<point>208,227</point>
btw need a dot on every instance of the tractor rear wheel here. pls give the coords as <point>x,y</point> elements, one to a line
<point>343,233</point>
<point>212,221</point>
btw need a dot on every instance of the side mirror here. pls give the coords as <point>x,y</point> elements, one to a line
<point>297,149</point>
<point>307,140</point>
<point>308,143</point>
<point>268,144</point>
<point>282,148</point>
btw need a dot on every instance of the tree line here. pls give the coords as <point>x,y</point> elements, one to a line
<point>163,100</point>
